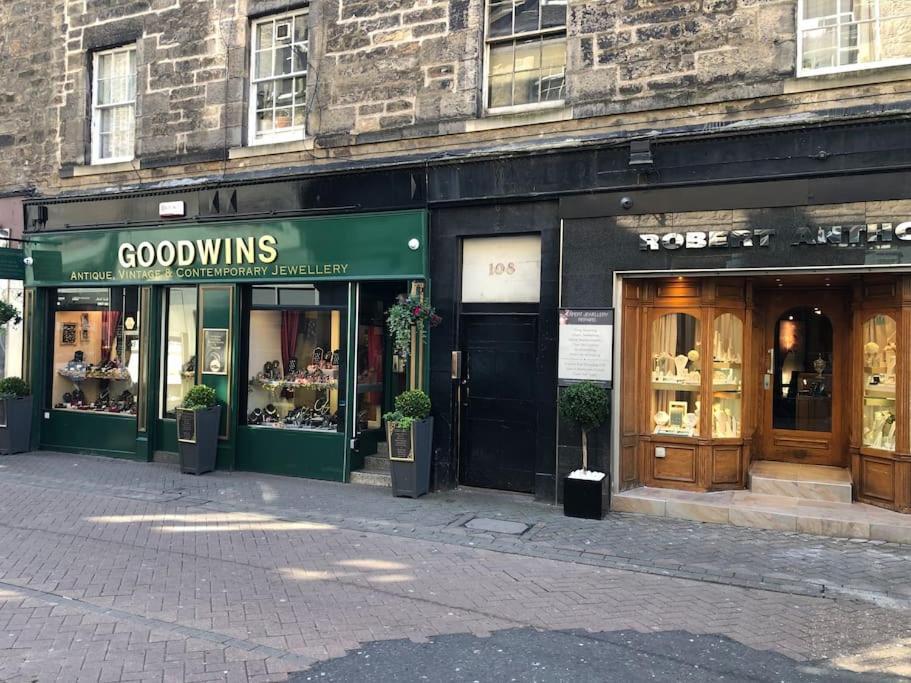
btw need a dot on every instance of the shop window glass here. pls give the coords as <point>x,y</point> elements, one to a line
<point>802,375</point>
<point>676,377</point>
<point>371,333</point>
<point>179,346</point>
<point>96,350</point>
<point>297,358</point>
<point>880,358</point>
<point>727,376</point>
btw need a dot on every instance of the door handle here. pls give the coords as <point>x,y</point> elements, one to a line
<point>770,370</point>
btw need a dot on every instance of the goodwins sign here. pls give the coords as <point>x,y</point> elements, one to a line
<point>879,234</point>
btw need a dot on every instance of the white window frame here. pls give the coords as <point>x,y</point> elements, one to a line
<point>809,24</point>
<point>544,33</point>
<point>97,159</point>
<point>292,133</point>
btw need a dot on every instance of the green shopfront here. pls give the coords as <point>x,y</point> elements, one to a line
<point>283,318</point>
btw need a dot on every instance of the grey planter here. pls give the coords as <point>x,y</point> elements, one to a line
<point>16,414</point>
<point>411,479</point>
<point>197,439</point>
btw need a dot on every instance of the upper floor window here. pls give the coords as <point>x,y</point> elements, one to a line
<point>847,35</point>
<point>278,82</point>
<point>114,105</point>
<point>526,53</point>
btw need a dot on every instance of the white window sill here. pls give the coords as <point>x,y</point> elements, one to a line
<point>850,68</point>
<point>525,115</point>
<point>266,148</point>
<point>102,167</point>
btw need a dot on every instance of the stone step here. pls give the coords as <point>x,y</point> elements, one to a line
<point>382,449</point>
<point>808,482</point>
<point>376,463</point>
<point>371,478</point>
<point>760,511</point>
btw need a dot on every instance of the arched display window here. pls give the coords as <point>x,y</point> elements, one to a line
<point>727,377</point>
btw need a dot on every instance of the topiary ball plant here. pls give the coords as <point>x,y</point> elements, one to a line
<point>200,397</point>
<point>587,405</point>
<point>14,387</point>
<point>409,406</point>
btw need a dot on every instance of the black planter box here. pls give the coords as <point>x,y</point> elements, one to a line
<point>15,425</point>
<point>197,439</point>
<point>411,478</point>
<point>586,499</point>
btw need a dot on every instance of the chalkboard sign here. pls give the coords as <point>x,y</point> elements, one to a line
<point>186,426</point>
<point>3,414</point>
<point>215,352</point>
<point>401,444</point>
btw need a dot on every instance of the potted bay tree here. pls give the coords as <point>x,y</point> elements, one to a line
<point>587,406</point>
<point>15,415</point>
<point>198,419</point>
<point>409,429</point>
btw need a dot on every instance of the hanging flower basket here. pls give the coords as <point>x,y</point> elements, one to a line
<point>409,314</point>
<point>9,312</point>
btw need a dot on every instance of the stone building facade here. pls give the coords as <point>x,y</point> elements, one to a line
<point>395,78</point>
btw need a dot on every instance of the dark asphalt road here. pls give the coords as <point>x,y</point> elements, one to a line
<point>527,655</point>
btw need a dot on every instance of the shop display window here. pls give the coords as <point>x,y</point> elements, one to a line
<point>296,357</point>
<point>179,346</point>
<point>676,375</point>
<point>371,333</point>
<point>95,362</point>
<point>880,359</point>
<point>727,376</point>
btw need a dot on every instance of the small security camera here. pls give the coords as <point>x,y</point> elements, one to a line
<point>28,260</point>
<point>626,203</point>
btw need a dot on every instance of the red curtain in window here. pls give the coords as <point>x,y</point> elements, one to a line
<point>290,327</point>
<point>109,320</point>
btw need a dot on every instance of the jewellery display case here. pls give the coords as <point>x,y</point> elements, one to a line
<point>676,377</point>
<point>879,383</point>
<point>727,376</point>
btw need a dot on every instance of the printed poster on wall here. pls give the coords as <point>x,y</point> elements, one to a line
<point>214,352</point>
<point>586,346</point>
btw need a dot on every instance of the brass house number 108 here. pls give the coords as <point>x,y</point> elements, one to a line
<point>502,268</point>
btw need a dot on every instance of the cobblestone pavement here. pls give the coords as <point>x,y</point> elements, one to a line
<point>114,570</point>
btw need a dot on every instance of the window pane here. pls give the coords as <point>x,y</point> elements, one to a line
<point>814,9</point>
<point>501,59</point>
<point>265,95</point>
<point>554,53</point>
<point>527,16</point>
<point>727,376</point>
<point>104,66</point>
<point>300,115</point>
<point>282,60</point>
<point>296,359</point>
<point>879,397</point>
<point>300,90</point>
<point>96,350</point>
<point>264,35</point>
<point>282,118</point>
<point>676,375</point>
<point>553,13</point>
<point>500,91</point>
<point>264,120</point>
<point>819,48</point>
<point>527,84</point>
<point>528,56</point>
<point>300,58</point>
<point>500,18</point>
<point>180,346</point>
<point>283,32</point>
<point>300,28</point>
<point>122,131</point>
<point>553,85</point>
<point>263,67</point>
<point>284,92</point>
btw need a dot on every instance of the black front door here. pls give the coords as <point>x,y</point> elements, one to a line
<point>498,435</point>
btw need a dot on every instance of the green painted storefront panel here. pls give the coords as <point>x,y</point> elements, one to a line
<point>86,432</point>
<point>347,247</point>
<point>166,439</point>
<point>298,454</point>
<point>11,265</point>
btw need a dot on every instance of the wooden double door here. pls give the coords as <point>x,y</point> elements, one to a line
<point>804,365</point>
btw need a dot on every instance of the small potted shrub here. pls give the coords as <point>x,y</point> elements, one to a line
<point>15,415</point>
<point>587,406</point>
<point>197,430</point>
<point>410,432</point>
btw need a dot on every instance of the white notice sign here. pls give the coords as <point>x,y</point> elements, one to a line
<point>586,346</point>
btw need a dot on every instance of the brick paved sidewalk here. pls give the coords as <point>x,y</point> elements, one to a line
<point>121,571</point>
<point>790,562</point>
